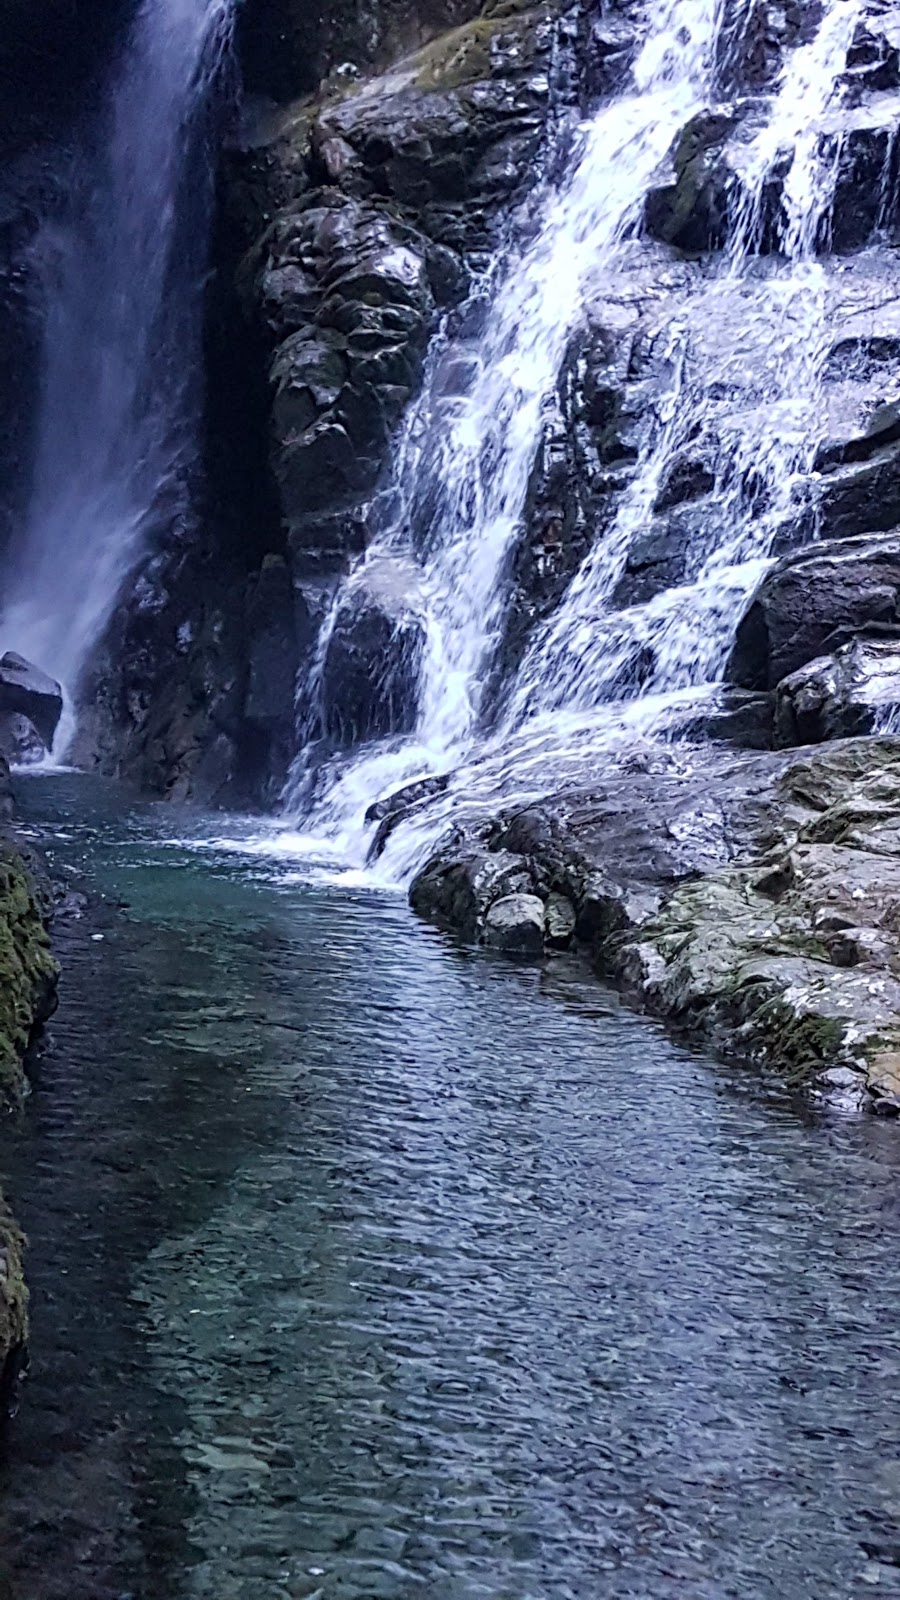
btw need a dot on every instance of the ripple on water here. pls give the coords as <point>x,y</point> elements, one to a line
<point>365,1266</point>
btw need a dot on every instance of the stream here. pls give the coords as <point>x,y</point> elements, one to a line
<point>364,1265</point>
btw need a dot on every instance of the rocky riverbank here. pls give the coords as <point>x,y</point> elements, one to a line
<point>28,975</point>
<point>750,897</point>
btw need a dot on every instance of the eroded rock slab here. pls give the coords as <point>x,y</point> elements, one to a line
<point>754,898</point>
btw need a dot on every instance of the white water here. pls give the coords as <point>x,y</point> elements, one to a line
<point>768,323</point>
<point>479,464</point>
<point>745,354</point>
<point>122,285</point>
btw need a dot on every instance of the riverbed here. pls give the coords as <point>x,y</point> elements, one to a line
<point>364,1265</point>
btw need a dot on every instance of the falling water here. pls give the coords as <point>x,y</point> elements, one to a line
<point>594,672</point>
<point>476,477</point>
<point>771,323</point>
<point>123,278</point>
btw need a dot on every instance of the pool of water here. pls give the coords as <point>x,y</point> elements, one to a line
<point>367,1266</point>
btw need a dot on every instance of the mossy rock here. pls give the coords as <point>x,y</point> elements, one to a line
<point>28,971</point>
<point>13,1305</point>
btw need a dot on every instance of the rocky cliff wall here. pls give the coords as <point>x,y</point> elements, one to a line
<point>352,219</point>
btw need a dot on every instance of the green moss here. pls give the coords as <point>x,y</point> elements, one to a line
<point>13,1300</point>
<point>464,55</point>
<point>27,969</point>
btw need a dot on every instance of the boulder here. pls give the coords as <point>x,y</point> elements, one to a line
<point>515,925</point>
<point>813,598</point>
<point>751,898</point>
<point>370,675</point>
<point>27,692</point>
<point>853,691</point>
<point>460,884</point>
<point>559,921</point>
<point>692,210</point>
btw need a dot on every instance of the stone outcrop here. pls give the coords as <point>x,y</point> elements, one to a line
<point>28,975</point>
<point>30,708</point>
<point>359,213</point>
<point>751,898</point>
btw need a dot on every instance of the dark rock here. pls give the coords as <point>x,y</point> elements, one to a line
<point>20,742</point>
<point>738,717</point>
<point>841,695</point>
<point>560,921</point>
<point>27,692</point>
<point>700,888</point>
<point>515,925</point>
<point>287,47</point>
<point>692,211</point>
<point>809,598</point>
<point>862,495</point>
<point>459,886</point>
<point>370,674</point>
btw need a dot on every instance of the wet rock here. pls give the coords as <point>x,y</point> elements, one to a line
<point>701,888</point>
<point>837,696</point>
<point>515,924</point>
<point>862,493</point>
<point>459,886</point>
<point>559,921</point>
<point>27,692</point>
<point>865,199</point>
<point>810,599</point>
<point>28,972</point>
<point>272,665</point>
<point>20,742</point>
<point>287,47</point>
<point>691,212</point>
<point>370,675</point>
<point>736,717</point>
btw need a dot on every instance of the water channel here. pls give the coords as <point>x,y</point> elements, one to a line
<point>364,1265</point>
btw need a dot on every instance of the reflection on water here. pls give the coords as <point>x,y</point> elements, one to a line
<point>367,1267</point>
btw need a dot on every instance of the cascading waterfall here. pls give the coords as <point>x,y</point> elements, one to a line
<point>123,284</point>
<point>476,478</point>
<point>773,319</point>
<point>594,674</point>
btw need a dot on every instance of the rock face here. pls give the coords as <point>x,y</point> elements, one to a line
<point>358,213</point>
<point>371,665</point>
<point>749,897</point>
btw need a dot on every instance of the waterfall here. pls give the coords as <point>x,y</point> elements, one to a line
<point>595,674</point>
<point>468,482</point>
<point>123,276</point>
<point>776,321</point>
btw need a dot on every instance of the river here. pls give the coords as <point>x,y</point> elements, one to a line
<point>368,1266</point>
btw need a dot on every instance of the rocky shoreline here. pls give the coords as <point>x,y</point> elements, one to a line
<point>28,977</point>
<point>752,898</point>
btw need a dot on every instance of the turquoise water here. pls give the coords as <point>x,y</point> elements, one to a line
<point>367,1266</point>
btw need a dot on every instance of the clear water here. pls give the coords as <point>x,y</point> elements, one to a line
<point>122,277</point>
<point>367,1266</point>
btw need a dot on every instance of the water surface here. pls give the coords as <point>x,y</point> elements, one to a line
<point>365,1266</point>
